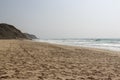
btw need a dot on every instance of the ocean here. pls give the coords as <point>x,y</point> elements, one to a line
<point>109,44</point>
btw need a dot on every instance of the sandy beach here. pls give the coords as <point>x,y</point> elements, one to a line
<point>28,60</point>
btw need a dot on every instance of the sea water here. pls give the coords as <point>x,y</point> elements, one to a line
<point>110,44</point>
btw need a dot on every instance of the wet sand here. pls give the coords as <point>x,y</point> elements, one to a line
<point>27,60</point>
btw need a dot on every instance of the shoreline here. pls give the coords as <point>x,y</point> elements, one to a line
<point>29,60</point>
<point>84,47</point>
<point>90,44</point>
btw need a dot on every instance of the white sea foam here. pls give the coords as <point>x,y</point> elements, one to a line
<point>110,44</point>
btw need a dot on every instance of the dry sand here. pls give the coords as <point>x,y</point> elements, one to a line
<point>27,60</point>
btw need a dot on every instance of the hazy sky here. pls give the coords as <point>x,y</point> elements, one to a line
<point>63,18</point>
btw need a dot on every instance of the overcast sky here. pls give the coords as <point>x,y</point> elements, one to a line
<point>63,18</point>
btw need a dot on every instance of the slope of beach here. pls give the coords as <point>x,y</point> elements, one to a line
<point>28,60</point>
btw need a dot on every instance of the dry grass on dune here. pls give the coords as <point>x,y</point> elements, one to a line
<point>27,60</point>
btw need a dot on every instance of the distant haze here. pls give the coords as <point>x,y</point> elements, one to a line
<point>63,18</point>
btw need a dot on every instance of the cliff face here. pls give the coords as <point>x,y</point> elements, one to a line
<point>10,32</point>
<point>30,36</point>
